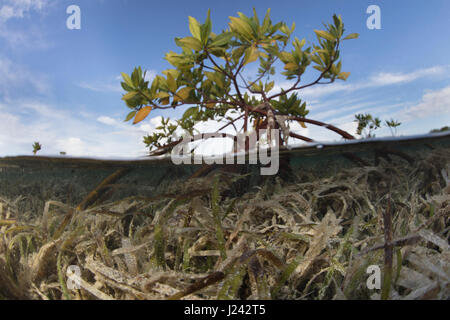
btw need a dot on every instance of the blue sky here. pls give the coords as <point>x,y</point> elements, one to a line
<point>62,87</point>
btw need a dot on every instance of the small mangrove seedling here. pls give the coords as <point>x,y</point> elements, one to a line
<point>392,125</point>
<point>36,147</point>
<point>367,124</point>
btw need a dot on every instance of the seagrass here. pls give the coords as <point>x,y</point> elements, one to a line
<point>309,237</point>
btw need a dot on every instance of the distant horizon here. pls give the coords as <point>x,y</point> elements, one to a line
<point>296,146</point>
<point>61,87</point>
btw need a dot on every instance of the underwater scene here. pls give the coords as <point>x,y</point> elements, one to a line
<point>149,229</point>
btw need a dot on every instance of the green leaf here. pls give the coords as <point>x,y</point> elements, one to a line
<point>174,58</point>
<point>206,29</point>
<point>162,95</point>
<point>240,26</point>
<point>182,94</point>
<point>194,27</point>
<point>269,86</point>
<point>130,116</point>
<point>338,23</point>
<point>339,66</point>
<point>251,55</point>
<point>129,95</point>
<point>298,44</point>
<point>257,87</point>
<point>237,54</point>
<point>214,77</point>
<point>286,57</point>
<point>285,29</point>
<point>222,39</point>
<point>135,77</point>
<point>320,68</point>
<point>127,80</point>
<point>266,21</point>
<point>154,87</point>
<point>291,66</point>
<point>190,112</point>
<point>218,51</point>
<point>251,23</point>
<point>174,72</point>
<point>191,43</point>
<point>126,87</point>
<point>171,82</point>
<point>320,51</point>
<point>352,36</point>
<point>255,18</point>
<point>316,59</point>
<point>324,34</point>
<point>336,20</point>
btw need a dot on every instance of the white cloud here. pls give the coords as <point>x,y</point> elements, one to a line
<point>378,80</point>
<point>72,146</point>
<point>27,36</point>
<point>436,102</point>
<point>386,78</point>
<point>23,122</point>
<point>6,13</point>
<point>19,8</point>
<point>107,120</point>
<point>342,110</point>
<point>14,76</point>
<point>101,87</point>
<point>323,90</point>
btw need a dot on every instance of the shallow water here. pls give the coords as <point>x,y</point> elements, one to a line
<point>331,203</point>
<point>69,180</point>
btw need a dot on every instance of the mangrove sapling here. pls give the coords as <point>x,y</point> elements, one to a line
<point>208,78</point>
<point>36,147</point>
<point>367,124</point>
